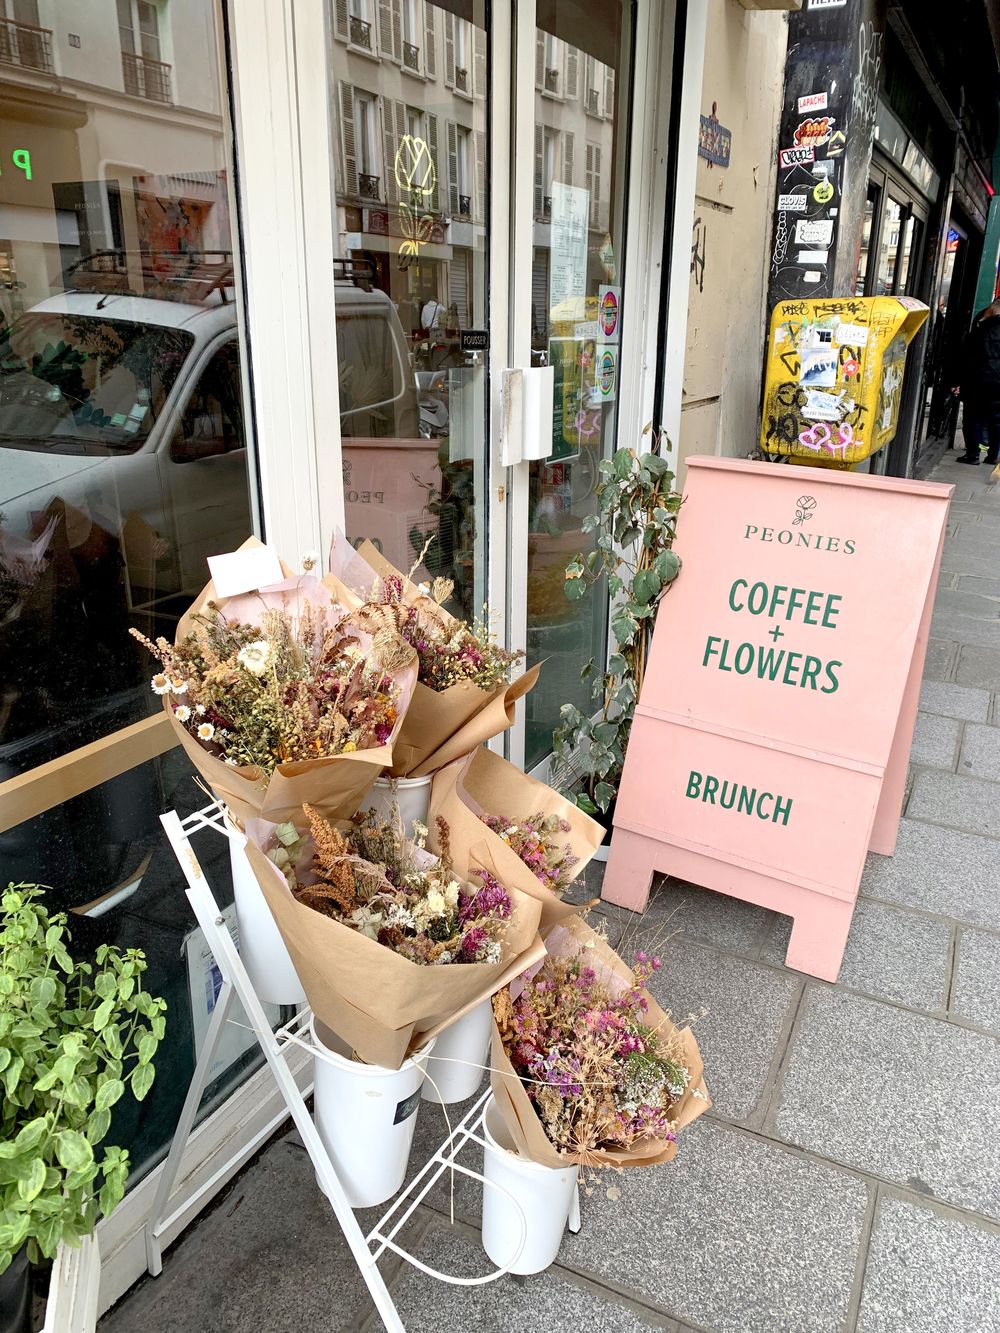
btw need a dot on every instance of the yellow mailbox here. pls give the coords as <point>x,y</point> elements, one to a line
<point>835,376</point>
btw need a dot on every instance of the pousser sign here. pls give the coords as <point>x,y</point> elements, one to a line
<point>770,744</point>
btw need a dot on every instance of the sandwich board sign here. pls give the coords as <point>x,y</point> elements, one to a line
<point>770,744</point>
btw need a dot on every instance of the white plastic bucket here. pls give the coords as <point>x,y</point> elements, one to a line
<point>411,795</point>
<point>365,1116</point>
<point>262,949</point>
<point>460,1055</point>
<point>544,1193</point>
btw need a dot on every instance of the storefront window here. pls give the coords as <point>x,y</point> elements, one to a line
<point>582,79</point>
<point>410,118</point>
<point>123,460</point>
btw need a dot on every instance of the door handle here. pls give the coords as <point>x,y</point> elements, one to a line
<point>526,420</point>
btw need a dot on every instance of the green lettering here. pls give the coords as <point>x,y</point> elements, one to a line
<point>757,599</point>
<point>22,160</point>
<point>764,796</point>
<point>812,606</point>
<point>849,547</point>
<point>740,583</point>
<point>710,651</point>
<point>782,809</point>
<point>791,666</point>
<point>728,797</point>
<point>744,658</point>
<point>831,676</point>
<point>751,529</point>
<point>832,610</point>
<point>711,787</point>
<point>694,785</point>
<point>810,671</point>
<point>769,662</point>
<point>747,797</point>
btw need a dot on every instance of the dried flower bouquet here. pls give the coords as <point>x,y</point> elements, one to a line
<point>589,1068</point>
<point>279,698</point>
<point>366,875</point>
<point>390,944</point>
<point>528,835</point>
<point>463,695</point>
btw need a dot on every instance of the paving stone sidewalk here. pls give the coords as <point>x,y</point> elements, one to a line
<point>848,1174</point>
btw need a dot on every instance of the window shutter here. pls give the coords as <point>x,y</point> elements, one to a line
<point>609,92</point>
<point>430,54</point>
<point>452,168</point>
<point>449,49</point>
<point>349,184</point>
<point>389,144</point>
<point>572,71</point>
<point>481,176</point>
<point>434,198</point>
<point>397,30</point>
<point>595,198</point>
<point>539,169</point>
<point>385,29</point>
<point>479,62</point>
<point>539,60</point>
<point>567,151</point>
<point>341,23</point>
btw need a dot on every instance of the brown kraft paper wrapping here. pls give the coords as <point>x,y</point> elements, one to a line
<point>440,725</point>
<point>336,784</point>
<point>485,783</point>
<point>384,1006</point>
<point>519,1115</point>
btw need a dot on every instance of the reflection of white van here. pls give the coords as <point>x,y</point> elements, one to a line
<point>128,410</point>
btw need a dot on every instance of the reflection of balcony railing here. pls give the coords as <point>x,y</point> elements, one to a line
<point>22,44</point>
<point>547,206</point>
<point>369,187</point>
<point>551,80</point>
<point>146,78</point>
<point>411,56</point>
<point>465,206</point>
<point>593,101</point>
<point>462,80</point>
<point>361,33</point>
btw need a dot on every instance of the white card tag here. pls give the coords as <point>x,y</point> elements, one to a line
<point>244,571</point>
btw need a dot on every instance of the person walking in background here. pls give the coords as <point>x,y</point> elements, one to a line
<point>980,387</point>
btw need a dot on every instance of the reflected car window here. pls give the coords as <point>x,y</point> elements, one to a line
<point>76,384</point>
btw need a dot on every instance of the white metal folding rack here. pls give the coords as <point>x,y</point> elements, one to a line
<point>276,1046</point>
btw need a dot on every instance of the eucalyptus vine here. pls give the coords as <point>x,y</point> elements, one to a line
<point>635,525</point>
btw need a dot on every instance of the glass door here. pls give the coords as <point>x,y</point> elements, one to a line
<point>581,77</point>
<point>409,84</point>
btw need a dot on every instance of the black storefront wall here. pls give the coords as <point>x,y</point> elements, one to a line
<point>824,148</point>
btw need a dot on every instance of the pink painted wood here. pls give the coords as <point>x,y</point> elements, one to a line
<point>826,769</point>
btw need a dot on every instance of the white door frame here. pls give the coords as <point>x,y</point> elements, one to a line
<point>644,211</point>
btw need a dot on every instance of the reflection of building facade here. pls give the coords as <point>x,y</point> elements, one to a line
<point>410,90</point>
<point>72,96</point>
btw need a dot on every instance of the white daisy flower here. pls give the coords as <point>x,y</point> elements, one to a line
<point>435,903</point>
<point>255,657</point>
<point>310,559</point>
<point>178,685</point>
<point>206,731</point>
<point>200,709</point>
<point>160,683</point>
<point>182,713</point>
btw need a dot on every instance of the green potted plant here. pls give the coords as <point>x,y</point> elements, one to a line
<point>73,1038</point>
<point>634,530</point>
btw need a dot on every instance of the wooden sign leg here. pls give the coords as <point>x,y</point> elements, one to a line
<point>885,829</point>
<point>629,873</point>
<point>819,937</point>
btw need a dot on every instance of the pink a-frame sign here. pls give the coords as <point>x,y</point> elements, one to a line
<point>770,744</point>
